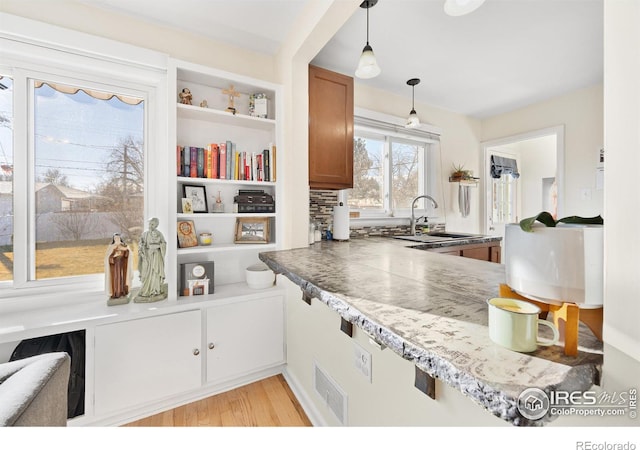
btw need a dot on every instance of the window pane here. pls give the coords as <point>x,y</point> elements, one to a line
<point>405,172</point>
<point>504,199</point>
<point>6,179</point>
<point>89,177</point>
<point>367,192</point>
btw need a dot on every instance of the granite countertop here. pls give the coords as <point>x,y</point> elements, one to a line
<point>431,309</point>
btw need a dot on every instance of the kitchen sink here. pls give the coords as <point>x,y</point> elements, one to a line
<point>453,235</point>
<point>424,238</point>
<point>437,237</point>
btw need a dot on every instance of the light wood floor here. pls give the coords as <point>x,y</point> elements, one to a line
<point>266,403</point>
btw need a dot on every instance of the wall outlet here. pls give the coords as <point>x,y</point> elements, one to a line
<point>362,361</point>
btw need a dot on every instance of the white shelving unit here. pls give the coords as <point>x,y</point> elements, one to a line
<point>197,126</point>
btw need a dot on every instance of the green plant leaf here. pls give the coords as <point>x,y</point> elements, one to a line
<point>597,220</point>
<point>544,217</point>
<point>547,219</point>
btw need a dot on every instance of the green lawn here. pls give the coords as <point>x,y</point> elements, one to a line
<point>63,259</point>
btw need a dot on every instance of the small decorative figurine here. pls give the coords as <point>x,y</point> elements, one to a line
<point>218,206</point>
<point>185,96</point>
<point>232,93</point>
<point>118,271</point>
<point>151,252</point>
<point>203,104</point>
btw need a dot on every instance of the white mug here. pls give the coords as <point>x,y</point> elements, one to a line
<point>514,324</point>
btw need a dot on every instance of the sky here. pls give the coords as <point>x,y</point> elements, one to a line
<point>74,132</point>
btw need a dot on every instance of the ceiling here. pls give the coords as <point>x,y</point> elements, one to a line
<point>505,55</point>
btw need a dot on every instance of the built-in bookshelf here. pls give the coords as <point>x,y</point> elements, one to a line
<point>249,164</point>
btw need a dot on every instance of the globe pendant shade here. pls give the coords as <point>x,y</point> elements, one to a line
<point>413,120</point>
<point>367,66</point>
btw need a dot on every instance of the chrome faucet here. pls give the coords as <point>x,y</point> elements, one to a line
<point>413,216</point>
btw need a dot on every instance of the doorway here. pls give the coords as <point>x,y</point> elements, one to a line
<point>539,158</point>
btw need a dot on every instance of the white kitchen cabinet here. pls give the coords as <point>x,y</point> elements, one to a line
<point>143,360</point>
<point>244,337</point>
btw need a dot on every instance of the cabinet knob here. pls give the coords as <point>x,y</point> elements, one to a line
<point>211,345</point>
<point>196,352</point>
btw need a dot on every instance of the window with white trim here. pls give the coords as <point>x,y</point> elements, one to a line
<point>73,163</point>
<point>391,168</point>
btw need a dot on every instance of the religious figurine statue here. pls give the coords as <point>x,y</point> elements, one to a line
<point>204,104</point>
<point>118,271</point>
<point>185,96</point>
<point>151,253</point>
<point>232,93</point>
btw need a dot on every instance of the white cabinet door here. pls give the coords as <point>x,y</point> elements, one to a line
<point>147,359</point>
<point>244,337</point>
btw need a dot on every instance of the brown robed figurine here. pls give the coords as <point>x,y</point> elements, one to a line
<point>118,271</point>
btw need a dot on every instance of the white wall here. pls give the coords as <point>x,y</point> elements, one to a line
<point>581,112</point>
<point>178,44</point>
<point>538,160</point>
<point>622,193</point>
<point>459,144</point>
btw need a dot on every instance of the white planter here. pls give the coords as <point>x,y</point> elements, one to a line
<point>556,265</point>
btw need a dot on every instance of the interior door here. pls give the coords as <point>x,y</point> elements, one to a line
<point>503,197</point>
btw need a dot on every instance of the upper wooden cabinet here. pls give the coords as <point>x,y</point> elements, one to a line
<point>330,130</point>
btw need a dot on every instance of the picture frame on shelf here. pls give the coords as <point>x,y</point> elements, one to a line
<point>198,196</point>
<point>252,230</point>
<point>187,234</point>
<point>187,206</point>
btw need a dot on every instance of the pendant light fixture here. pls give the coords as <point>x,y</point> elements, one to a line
<point>413,120</point>
<point>367,66</point>
<point>461,7</point>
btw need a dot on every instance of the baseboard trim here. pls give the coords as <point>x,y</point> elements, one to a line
<point>305,401</point>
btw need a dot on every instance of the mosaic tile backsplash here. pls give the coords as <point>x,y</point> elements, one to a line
<point>321,205</point>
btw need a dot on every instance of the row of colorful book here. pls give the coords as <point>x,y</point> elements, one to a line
<point>223,161</point>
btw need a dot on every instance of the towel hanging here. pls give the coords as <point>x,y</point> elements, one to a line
<point>463,200</point>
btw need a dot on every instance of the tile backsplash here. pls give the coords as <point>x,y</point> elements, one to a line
<point>321,205</point>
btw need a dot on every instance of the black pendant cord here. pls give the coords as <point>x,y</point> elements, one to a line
<point>367,25</point>
<point>413,93</point>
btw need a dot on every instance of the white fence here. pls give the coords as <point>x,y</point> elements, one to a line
<point>65,226</point>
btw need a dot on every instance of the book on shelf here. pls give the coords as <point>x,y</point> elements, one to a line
<point>179,150</point>
<point>272,161</point>
<point>266,164</point>
<point>193,162</point>
<point>222,171</point>
<point>186,162</point>
<point>224,161</point>
<point>200,166</point>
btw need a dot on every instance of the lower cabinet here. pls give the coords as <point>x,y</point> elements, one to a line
<point>244,337</point>
<point>143,360</point>
<point>138,362</point>
<point>490,251</point>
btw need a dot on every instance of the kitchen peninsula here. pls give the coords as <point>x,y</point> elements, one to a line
<point>430,310</point>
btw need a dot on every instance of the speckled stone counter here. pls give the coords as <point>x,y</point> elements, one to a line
<point>431,309</point>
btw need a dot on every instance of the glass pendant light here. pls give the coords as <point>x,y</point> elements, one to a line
<point>461,7</point>
<point>413,120</point>
<point>367,66</point>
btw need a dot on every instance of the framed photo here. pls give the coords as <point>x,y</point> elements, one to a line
<point>252,230</point>
<point>187,234</point>
<point>187,206</point>
<point>198,197</point>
